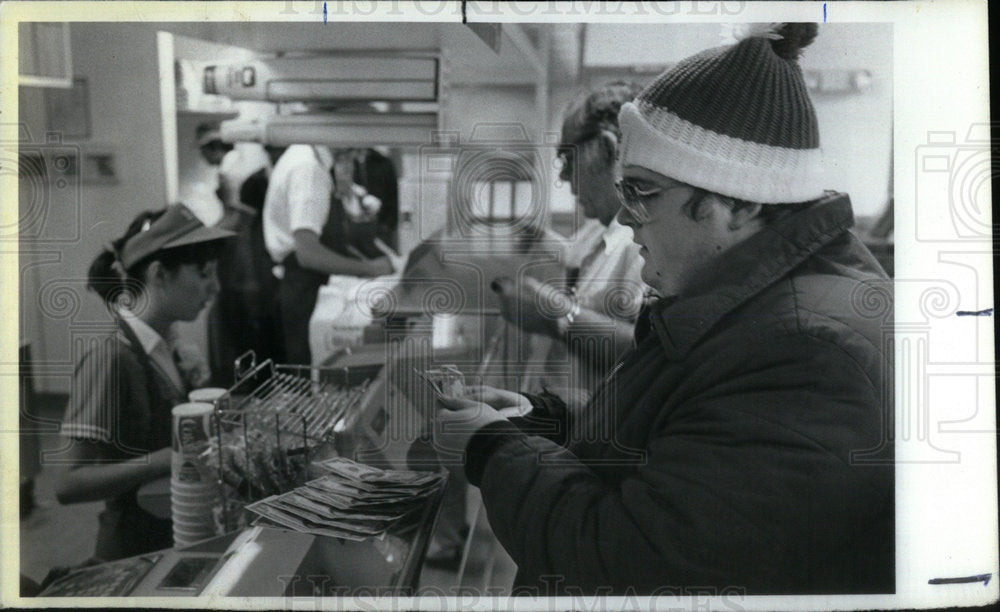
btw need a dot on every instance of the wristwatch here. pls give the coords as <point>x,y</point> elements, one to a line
<point>567,319</point>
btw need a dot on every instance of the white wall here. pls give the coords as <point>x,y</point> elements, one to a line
<point>125,114</point>
<point>855,128</point>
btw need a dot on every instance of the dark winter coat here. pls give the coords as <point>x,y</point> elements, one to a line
<point>743,445</point>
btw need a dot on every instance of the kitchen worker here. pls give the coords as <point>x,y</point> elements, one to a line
<point>741,444</point>
<point>311,200</point>
<point>210,144</point>
<point>604,278</point>
<point>162,270</point>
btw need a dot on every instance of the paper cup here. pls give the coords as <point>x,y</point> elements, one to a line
<point>186,470</point>
<point>207,395</point>
<point>196,522</point>
<point>191,505</point>
<point>193,488</point>
<point>182,538</point>
<point>192,426</point>
<point>190,523</point>
<point>177,501</point>
<point>194,498</point>
<point>192,429</point>
<point>198,531</point>
<point>194,529</point>
<point>193,510</point>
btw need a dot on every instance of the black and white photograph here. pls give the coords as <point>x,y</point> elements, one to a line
<point>474,305</point>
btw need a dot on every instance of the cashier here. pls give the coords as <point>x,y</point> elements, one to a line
<point>742,445</point>
<point>310,204</point>
<point>161,271</point>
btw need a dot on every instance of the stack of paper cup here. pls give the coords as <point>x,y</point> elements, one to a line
<point>193,490</point>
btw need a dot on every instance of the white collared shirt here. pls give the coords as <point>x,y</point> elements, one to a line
<point>617,263</point>
<point>609,282</point>
<point>298,197</point>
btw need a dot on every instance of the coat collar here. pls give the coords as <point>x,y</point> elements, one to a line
<point>747,270</point>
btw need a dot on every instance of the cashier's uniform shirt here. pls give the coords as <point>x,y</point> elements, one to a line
<point>298,197</point>
<point>609,282</point>
<point>99,376</point>
<point>124,387</point>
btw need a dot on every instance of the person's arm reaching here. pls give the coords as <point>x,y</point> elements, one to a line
<point>540,307</point>
<point>309,201</point>
<point>91,478</point>
<point>313,255</point>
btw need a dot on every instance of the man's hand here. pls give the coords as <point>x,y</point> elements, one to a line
<point>507,403</point>
<point>532,305</point>
<point>455,424</point>
<point>397,261</point>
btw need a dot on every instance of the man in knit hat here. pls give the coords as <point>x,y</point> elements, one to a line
<point>743,444</point>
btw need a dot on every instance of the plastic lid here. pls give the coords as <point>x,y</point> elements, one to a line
<point>207,394</point>
<point>192,409</point>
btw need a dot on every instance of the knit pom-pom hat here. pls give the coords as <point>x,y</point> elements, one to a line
<point>734,120</point>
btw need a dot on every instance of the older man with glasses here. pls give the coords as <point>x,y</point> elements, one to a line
<point>590,314</point>
<point>745,444</point>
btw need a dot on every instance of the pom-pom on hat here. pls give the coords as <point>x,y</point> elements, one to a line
<point>734,120</point>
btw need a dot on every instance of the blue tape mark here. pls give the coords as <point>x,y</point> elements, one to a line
<point>324,13</point>
<point>824,12</point>
<point>984,578</point>
<point>975,313</point>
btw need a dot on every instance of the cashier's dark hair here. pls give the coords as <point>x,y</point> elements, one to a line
<point>109,279</point>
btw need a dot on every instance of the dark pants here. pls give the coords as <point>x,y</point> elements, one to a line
<point>297,294</point>
<point>242,322</point>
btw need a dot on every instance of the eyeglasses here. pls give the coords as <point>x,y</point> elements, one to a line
<point>567,156</point>
<point>568,153</point>
<point>633,199</point>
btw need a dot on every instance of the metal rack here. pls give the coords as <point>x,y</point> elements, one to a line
<point>271,424</point>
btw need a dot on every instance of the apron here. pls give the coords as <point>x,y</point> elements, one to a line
<point>125,529</point>
<point>299,289</point>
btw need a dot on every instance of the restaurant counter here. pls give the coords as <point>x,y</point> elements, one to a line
<point>267,562</point>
